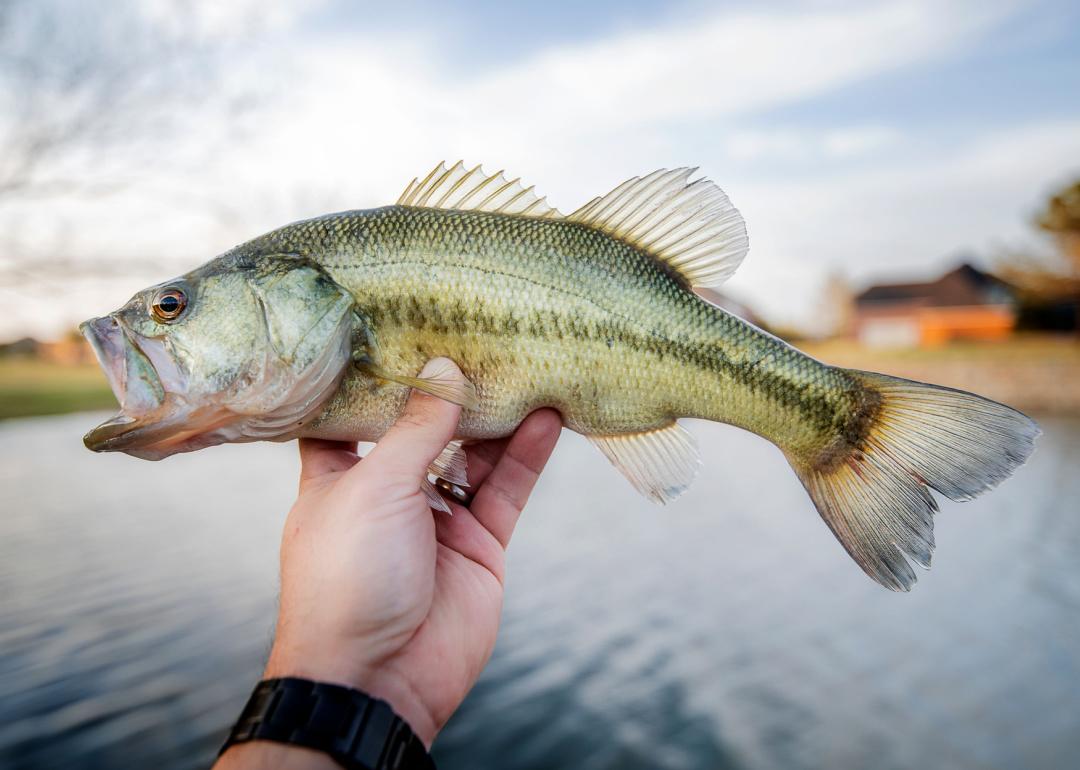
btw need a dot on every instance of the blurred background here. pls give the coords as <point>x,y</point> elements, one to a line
<point>910,174</point>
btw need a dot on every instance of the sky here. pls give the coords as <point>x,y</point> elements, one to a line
<point>871,140</point>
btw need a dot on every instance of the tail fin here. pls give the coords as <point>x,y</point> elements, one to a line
<point>875,496</point>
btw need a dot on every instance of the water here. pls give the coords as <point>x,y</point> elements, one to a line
<point>729,630</point>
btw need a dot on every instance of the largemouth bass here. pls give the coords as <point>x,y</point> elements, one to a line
<point>319,329</point>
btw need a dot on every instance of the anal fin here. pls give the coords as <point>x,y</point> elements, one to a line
<point>660,463</point>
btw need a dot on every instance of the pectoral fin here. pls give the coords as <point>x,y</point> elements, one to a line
<point>455,390</point>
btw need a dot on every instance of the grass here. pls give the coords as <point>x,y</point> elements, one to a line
<point>31,387</point>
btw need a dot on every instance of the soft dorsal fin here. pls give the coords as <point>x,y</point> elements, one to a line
<point>690,226</point>
<point>473,190</point>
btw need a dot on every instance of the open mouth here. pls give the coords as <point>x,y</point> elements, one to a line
<point>131,376</point>
<point>147,412</point>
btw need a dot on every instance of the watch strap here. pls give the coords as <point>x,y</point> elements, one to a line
<point>358,731</point>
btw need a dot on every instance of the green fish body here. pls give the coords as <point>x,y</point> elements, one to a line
<point>592,314</point>
<point>552,313</point>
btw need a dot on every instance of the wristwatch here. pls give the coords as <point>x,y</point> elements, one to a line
<point>356,730</point>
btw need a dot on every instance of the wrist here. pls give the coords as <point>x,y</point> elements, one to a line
<point>383,683</point>
<point>279,756</point>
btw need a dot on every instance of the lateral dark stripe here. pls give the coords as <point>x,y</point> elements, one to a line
<point>427,314</point>
<point>536,251</point>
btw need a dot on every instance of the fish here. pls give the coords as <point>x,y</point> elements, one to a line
<point>320,328</point>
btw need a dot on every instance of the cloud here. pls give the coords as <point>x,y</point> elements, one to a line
<point>728,64</point>
<point>906,218</point>
<point>211,19</point>
<point>623,89</point>
<point>800,146</point>
<point>354,117</point>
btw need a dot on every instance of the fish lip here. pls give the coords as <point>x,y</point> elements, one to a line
<point>113,346</point>
<point>113,435</point>
<point>125,433</point>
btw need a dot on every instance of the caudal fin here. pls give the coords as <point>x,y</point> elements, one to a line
<point>875,494</point>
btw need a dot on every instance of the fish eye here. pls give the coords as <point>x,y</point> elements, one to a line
<point>168,304</point>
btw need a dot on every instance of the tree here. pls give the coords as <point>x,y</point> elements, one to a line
<point>93,94</point>
<point>1053,276</point>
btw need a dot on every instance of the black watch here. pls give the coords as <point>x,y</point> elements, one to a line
<point>359,732</point>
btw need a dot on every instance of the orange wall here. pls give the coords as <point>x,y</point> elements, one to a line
<point>939,325</point>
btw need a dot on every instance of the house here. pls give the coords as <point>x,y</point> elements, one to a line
<point>965,303</point>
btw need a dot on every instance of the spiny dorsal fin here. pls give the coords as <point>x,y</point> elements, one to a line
<point>660,463</point>
<point>473,190</point>
<point>690,226</point>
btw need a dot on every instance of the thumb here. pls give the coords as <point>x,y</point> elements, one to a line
<point>421,432</point>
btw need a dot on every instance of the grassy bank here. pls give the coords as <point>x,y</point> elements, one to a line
<point>30,387</point>
<point>1038,374</point>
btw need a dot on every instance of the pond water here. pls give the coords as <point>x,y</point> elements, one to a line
<point>727,630</point>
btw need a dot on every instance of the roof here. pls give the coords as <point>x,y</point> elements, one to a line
<point>966,285</point>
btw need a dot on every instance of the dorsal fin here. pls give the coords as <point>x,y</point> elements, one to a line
<point>690,226</point>
<point>473,190</point>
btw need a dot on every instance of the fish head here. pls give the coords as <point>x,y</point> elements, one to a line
<point>243,348</point>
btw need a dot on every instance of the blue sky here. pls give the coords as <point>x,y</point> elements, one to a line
<point>871,139</point>
<point>1025,67</point>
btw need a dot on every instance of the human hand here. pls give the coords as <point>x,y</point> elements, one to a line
<point>379,592</point>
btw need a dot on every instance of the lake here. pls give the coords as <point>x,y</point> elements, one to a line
<point>728,630</point>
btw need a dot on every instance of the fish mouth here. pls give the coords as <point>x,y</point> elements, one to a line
<point>154,418</point>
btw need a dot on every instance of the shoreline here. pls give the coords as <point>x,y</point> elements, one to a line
<point>1032,373</point>
<point>1036,373</point>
